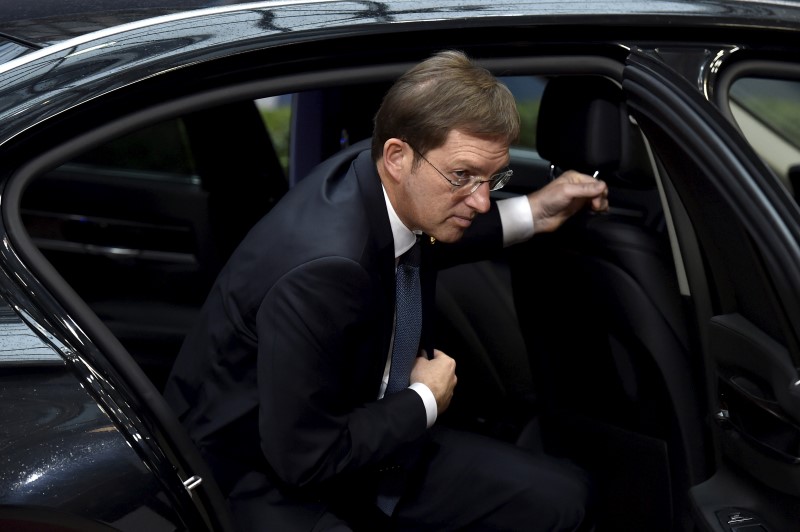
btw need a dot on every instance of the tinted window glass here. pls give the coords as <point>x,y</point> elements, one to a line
<point>768,113</point>
<point>162,148</point>
<point>527,91</point>
<point>775,102</point>
<point>276,111</point>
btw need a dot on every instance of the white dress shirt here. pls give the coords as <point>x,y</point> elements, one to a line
<point>517,221</point>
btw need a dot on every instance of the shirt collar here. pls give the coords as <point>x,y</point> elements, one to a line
<point>404,238</point>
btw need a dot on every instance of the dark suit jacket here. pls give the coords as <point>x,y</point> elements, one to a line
<point>294,336</point>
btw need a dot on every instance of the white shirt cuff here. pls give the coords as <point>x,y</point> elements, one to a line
<point>428,400</point>
<point>517,219</point>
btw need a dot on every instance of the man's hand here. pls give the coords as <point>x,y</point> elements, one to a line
<point>439,375</point>
<point>563,197</point>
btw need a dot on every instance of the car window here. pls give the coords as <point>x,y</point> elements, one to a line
<point>527,90</point>
<point>768,113</point>
<point>308,127</point>
<point>276,111</point>
<point>140,225</point>
<point>159,151</point>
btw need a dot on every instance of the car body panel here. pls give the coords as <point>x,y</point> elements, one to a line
<point>63,442</point>
<point>52,21</point>
<point>79,91</point>
<point>134,51</point>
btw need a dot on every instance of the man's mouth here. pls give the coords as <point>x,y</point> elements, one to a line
<point>463,221</point>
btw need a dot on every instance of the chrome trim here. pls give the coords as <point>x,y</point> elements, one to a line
<point>709,72</point>
<point>115,252</point>
<point>22,290</point>
<point>192,482</point>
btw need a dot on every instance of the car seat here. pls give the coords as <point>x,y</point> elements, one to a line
<point>602,314</point>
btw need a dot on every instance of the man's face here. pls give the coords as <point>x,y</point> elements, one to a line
<point>432,204</point>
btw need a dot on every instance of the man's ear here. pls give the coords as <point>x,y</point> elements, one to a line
<point>396,159</point>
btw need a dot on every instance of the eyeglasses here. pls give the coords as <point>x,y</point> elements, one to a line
<point>464,185</point>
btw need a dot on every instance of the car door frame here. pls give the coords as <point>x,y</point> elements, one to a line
<point>665,104</point>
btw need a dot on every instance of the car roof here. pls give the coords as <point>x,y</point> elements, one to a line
<point>106,59</point>
<point>44,22</point>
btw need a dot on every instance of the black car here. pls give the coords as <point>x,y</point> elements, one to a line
<point>139,145</point>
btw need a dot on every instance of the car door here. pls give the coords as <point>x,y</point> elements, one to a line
<point>736,230</point>
<point>140,225</point>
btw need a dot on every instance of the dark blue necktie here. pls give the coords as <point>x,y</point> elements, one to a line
<point>408,327</point>
<point>408,324</point>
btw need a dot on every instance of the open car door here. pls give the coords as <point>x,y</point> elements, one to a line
<point>735,232</point>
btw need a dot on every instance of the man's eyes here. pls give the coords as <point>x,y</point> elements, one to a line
<point>462,177</point>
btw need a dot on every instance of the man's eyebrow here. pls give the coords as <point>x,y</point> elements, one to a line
<point>469,166</point>
<point>464,164</point>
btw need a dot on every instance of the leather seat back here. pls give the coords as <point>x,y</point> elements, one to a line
<point>609,333</point>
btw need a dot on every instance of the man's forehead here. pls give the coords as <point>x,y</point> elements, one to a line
<point>459,139</point>
<point>476,151</point>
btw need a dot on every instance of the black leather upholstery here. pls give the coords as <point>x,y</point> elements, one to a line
<point>607,329</point>
<point>583,124</point>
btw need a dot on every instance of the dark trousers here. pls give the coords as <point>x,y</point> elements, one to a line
<point>462,482</point>
<point>471,482</point>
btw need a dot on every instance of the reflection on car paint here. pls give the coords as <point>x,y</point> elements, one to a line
<point>57,441</point>
<point>19,344</point>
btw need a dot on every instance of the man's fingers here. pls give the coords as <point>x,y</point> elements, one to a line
<point>587,189</point>
<point>600,203</point>
<point>586,186</point>
<point>439,354</point>
<point>574,176</point>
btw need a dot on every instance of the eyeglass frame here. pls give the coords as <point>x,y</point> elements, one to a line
<point>500,178</point>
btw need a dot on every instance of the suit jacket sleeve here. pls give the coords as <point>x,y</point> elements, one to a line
<point>320,356</point>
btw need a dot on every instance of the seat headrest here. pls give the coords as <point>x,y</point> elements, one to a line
<point>583,125</point>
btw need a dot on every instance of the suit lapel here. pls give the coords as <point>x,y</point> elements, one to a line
<point>380,231</point>
<point>381,257</point>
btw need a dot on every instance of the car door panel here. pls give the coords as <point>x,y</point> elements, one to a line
<point>758,401</point>
<point>728,240</point>
<point>141,231</point>
<point>132,246</point>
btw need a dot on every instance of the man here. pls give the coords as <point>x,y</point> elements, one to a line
<point>286,382</point>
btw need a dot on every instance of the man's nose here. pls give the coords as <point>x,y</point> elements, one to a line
<point>479,200</point>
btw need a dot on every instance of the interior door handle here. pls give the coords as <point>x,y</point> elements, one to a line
<point>758,418</point>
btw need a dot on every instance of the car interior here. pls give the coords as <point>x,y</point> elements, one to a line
<point>581,342</point>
